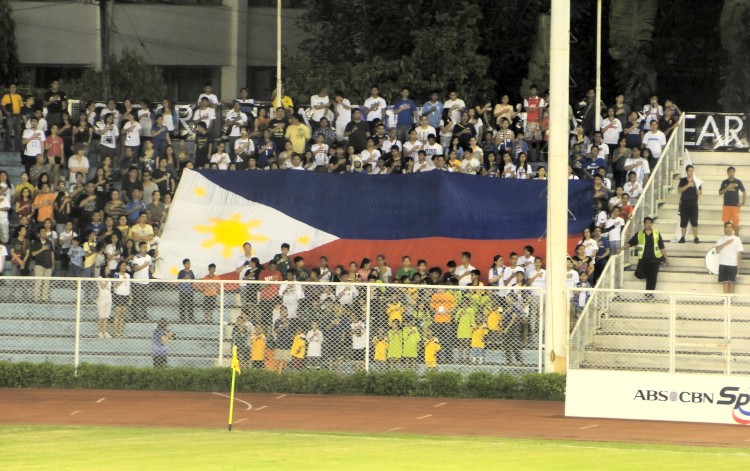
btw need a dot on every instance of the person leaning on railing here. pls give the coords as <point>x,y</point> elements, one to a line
<point>651,253</point>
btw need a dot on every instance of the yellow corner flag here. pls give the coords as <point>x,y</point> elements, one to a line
<point>235,370</point>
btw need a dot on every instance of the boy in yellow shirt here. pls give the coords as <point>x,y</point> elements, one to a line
<point>298,350</point>
<point>479,331</point>
<point>258,347</point>
<point>380,345</point>
<point>431,349</point>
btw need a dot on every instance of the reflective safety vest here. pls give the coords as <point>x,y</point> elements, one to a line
<point>642,244</point>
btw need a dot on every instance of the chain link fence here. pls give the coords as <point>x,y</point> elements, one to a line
<point>667,332</point>
<point>342,327</point>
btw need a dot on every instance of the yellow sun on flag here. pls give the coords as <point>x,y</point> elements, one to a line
<point>231,233</point>
<point>199,191</point>
<point>303,240</point>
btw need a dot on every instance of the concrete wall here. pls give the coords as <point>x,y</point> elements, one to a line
<point>61,33</point>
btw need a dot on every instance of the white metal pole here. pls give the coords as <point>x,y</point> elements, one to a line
<point>279,92</point>
<point>556,331</point>
<point>367,326</point>
<point>598,115</point>
<point>221,324</point>
<point>540,333</point>
<point>77,347</point>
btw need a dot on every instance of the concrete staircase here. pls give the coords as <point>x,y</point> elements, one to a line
<point>687,269</point>
<point>633,332</point>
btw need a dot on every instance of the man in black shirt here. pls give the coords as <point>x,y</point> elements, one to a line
<point>357,131</point>
<point>202,145</point>
<point>690,189</point>
<point>731,188</point>
<point>43,254</point>
<point>651,253</point>
<point>277,126</point>
<point>56,102</point>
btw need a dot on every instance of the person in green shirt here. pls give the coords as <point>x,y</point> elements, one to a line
<point>406,269</point>
<point>411,339</point>
<point>466,316</point>
<point>395,345</point>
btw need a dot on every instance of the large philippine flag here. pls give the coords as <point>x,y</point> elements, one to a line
<point>432,216</point>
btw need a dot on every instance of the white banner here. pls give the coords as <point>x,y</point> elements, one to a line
<point>677,397</point>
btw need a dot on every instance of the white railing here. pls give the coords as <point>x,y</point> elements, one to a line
<point>655,191</point>
<point>667,332</point>
<point>66,320</point>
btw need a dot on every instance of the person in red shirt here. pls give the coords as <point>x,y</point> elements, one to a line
<point>269,293</point>
<point>55,148</point>
<point>626,209</point>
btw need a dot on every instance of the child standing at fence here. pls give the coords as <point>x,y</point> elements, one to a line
<point>298,350</point>
<point>380,346</point>
<point>75,253</point>
<point>580,298</point>
<point>478,333</point>
<point>314,346</point>
<point>258,347</point>
<point>431,349</point>
<point>395,345</point>
<point>359,341</point>
<point>210,294</point>
<point>411,340</point>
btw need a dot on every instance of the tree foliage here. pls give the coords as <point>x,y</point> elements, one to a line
<point>356,44</point>
<point>9,64</point>
<point>131,77</point>
<point>735,36</point>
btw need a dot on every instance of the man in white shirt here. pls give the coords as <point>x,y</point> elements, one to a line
<point>244,148</point>
<point>208,93</point>
<point>32,139</point>
<point>527,260</point>
<point>131,131</point>
<point>655,140</point>
<point>141,265</point>
<point>346,294</point>
<point>653,110</point>
<point>319,104</point>
<point>375,107</point>
<point>41,122</point>
<point>4,212</point>
<point>234,121</point>
<point>243,261</point>
<point>390,142</point>
<point>611,129</point>
<point>463,271</point>
<point>111,108</point>
<point>639,165</point>
<point>343,113</point>
<point>432,148</point>
<point>205,113</point>
<point>729,247</point>
<point>424,130</point>
<point>455,105</point>
<point>422,164</point>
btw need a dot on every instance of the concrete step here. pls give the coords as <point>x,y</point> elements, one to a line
<point>707,198</point>
<point>710,228</point>
<point>649,361</point>
<point>683,342</point>
<point>701,287</point>
<point>696,264</point>
<point>725,159</point>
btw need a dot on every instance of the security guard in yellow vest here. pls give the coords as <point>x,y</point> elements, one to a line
<point>651,253</point>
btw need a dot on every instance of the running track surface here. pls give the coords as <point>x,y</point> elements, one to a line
<point>384,415</point>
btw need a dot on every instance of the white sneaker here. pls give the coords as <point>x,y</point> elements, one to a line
<point>107,336</point>
<point>100,335</point>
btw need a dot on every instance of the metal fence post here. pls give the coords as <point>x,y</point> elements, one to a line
<point>541,333</point>
<point>367,326</point>
<point>221,324</point>
<point>672,328</point>
<point>77,347</point>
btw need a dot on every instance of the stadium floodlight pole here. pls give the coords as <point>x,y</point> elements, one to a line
<point>597,109</point>
<point>556,300</point>
<point>279,93</point>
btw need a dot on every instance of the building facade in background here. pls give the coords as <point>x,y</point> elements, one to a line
<point>231,43</point>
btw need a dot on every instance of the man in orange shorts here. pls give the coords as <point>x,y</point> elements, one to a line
<point>731,188</point>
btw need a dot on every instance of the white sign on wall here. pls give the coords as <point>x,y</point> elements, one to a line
<point>678,397</point>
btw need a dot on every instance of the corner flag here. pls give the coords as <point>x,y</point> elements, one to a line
<point>235,370</point>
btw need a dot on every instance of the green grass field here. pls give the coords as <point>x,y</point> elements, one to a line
<point>110,448</point>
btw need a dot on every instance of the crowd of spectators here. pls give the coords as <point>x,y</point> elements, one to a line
<point>97,190</point>
<point>113,172</point>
